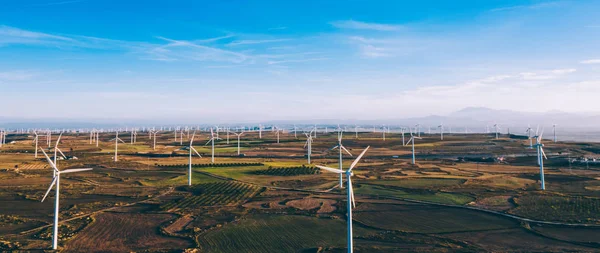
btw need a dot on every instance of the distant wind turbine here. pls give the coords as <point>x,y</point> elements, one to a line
<point>308,144</point>
<point>117,140</point>
<point>212,139</point>
<point>412,140</point>
<point>441,127</point>
<point>541,156</point>
<point>190,161</point>
<point>350,195</point>
<point>238,141</point>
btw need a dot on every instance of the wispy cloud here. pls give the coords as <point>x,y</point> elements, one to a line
<point>358,25</point>
<point>185,50</point>
<point>20,75</point>
<point>59,3</point>
<point>591,61</point>
<point>277,28</point>
<point>298,60</point>
<point>10,35</point>
<point>528,7</point>
<point>252,42</point>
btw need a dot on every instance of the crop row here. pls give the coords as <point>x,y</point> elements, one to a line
<point>206,165</point>
<point>558,208</point>
<point>288,171</point>
<point>215,194</point>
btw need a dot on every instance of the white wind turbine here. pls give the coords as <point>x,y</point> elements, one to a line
<point>540,156</point>
<point>190,161</point>
<point>441,127</point>
<point>403,131</point>
<point>350,195</point>
<point>496,128</point>
<point>56,182</point>
<point>212,139</point>
<point>277,130</point>
<point>554,131</point>
<point>117,140</point>
<point>238,141</point>
<point>309,140</point>
<point>528,131</point>
<point>36,138</point>
<point>341,147</point>
<point>412,140</point>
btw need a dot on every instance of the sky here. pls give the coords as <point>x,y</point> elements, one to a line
<point>245,61</point>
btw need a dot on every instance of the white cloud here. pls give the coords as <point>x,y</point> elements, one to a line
<point>591,61</point>
<point>251,42</point>
<point>358,25</point>
<point>528,7</point>
<point>16,76</point>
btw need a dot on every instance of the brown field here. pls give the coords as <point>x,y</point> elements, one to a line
<point>123,232</point>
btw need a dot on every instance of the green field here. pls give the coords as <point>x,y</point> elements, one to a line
<point>277,233</point>
<point>438,197</point>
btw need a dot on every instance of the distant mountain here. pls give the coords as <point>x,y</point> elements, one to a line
<point>475,119</point>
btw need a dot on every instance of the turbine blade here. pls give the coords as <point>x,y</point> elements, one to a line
<point>350,188</point>
<point>195,151</point>
<point>358,158</point>
<point>208,141</point>
<point>543,153</point>
<point>61,153</point>
<point>330,169</point>
<point>49,160</point>
<point>192,140</point>
<point>335,147</point>
<point>75,170</point>
<point>49,188</point>
<point>344,148</point>
<point>58,140</point>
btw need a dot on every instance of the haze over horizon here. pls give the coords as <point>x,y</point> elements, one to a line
<point>261,61</point>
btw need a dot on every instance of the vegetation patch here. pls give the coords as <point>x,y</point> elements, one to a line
<point>288,171</point>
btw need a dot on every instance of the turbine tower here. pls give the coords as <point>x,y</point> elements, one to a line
<point>238,141</point>
<point>541,156</point>
<point>341,147</point>
<point>309,140</point>
<point>350,195</point>
<point>56,182</point>
<point>441,127</point>
<point>212,140</point>
<point>117,139</point>
<point>190,161</point>
<point>412,140</point>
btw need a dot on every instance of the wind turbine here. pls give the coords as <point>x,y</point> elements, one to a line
<point>418,128</point>
<point>190,162</point>
<point>541,155</point>
<point>496,130</point>
<point>56,182</point>
<point>441,127</point>
<point>212,139</point>
<point>412,140</point>
<point>309,140</point>
<point>36,138</point>
<point>117,139</point>
<point>554,130</point>
<point>238,140</point>
<point>341,147</point>
<point>350,194</point>
<point>528,131</point>
<point>403,131</point>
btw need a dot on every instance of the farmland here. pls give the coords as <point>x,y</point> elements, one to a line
<point>457,197</point>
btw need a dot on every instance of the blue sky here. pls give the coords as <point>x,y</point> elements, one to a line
<point>263,60</point>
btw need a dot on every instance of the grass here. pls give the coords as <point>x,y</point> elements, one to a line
<point>559,208</point>
<point>181,180</point>
<point>429,219</point>
<point>418,183</point>
<point>438,197</point>
<point>276,233</point>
